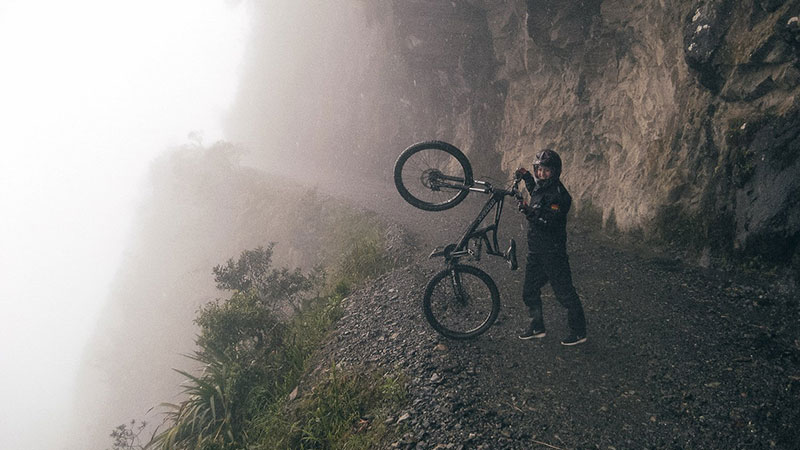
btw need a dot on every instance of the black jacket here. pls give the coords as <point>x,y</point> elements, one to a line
<point>547,216</point>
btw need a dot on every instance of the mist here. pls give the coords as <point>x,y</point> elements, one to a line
<point>116,188</point>
<point>319,91</point>
<point>146,143</point>
<point>91,93</point>
<point>291,118</point>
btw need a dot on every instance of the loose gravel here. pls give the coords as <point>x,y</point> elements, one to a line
<point>677,357</point>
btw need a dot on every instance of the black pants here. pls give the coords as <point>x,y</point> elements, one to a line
<point>553,268</point>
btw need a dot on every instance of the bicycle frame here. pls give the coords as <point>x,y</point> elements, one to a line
<point>452,252</point>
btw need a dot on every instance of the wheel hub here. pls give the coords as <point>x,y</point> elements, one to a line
<point>431,178</point>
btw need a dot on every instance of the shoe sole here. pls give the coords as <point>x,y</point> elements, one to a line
<point>534,336</point>
<point>569,344</point>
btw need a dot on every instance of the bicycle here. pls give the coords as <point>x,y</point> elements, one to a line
<point>460,301</point>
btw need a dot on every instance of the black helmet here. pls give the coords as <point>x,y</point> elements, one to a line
<point>550,159</point>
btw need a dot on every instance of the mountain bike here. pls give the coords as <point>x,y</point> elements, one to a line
<point>460,301</point>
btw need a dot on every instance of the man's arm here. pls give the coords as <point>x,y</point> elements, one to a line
<point>525,176</point>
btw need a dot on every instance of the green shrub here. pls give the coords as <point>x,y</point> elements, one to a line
<point>254,348</point>
<point>250,362</point>
<point>276,289</point>
<point>210,418</point>
<point>242,327</point>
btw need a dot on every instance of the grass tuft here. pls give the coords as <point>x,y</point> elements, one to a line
<point>345,410</point>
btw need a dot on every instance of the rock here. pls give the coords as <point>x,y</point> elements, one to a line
<point>293,394</point>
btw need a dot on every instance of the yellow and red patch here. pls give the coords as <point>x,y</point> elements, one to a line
<point>554,207</point>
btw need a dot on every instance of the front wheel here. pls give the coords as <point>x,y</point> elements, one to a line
<point>433,175</point>
<point>461,302</point>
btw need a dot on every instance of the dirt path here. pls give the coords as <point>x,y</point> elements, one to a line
<point>677,357</point>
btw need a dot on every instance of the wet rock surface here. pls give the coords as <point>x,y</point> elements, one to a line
<point>677,357</point>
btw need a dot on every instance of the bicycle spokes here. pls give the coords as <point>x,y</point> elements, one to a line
<point>433,176</point>
<point>461,302</point>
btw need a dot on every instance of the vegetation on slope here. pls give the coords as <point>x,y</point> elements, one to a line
<point>254,348</point>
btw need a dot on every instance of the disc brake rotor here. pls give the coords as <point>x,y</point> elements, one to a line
<point>431,179</point>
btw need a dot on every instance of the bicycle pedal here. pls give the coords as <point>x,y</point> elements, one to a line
<point>438,251</point>
<point>511,255</point>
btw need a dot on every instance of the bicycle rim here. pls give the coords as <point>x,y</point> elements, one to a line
<point>433,175</point>
<point>461,305</point>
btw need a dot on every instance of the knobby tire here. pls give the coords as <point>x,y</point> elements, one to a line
<point>413,170</point>
<point>461,320</point>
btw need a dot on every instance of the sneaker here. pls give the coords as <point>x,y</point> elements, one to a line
<point>574,339</point>
<point>532,332</point>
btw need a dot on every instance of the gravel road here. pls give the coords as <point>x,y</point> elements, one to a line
<point>677,357</point>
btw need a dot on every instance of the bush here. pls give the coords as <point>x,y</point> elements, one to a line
<point>275,288</point>
<point>242,327</point>
<point>210,418</point>
<point>247,353</point>
<point>254,348</point>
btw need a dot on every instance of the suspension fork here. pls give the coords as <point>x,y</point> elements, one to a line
<point>458,287</point>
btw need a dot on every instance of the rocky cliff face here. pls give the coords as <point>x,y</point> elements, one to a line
<point>677,120</point>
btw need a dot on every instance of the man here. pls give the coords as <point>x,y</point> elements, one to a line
<point>547,248</point>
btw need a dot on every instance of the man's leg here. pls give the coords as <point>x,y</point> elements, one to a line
<point>535,279</point>
<point>560,275</point>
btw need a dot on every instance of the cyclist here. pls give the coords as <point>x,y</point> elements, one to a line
<point>547,248</point>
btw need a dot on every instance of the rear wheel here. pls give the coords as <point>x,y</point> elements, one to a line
<point>433,175</point>
<point>461,302</point>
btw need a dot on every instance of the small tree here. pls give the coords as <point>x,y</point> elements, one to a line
<point>253,272</point>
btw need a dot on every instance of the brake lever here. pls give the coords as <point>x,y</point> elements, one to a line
<point>516,192</point>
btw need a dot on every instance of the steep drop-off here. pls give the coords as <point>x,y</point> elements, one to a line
<point>202,209</point>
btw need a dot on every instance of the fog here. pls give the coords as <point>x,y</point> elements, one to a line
<point>292,117</point>
<point>90,93</point>
<point>117,199</point>
<point>145,142</point>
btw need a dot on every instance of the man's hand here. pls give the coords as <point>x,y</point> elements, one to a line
<point>532,211</point>
<point>529,209</point>
<point>519,173</point>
